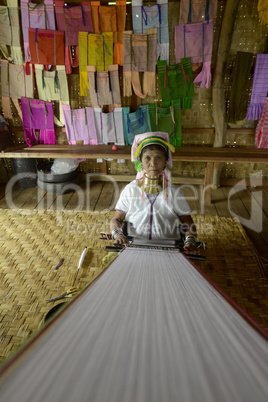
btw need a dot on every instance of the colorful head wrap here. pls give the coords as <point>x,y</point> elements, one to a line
<point>142,140</point>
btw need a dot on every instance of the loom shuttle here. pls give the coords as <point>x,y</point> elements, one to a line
<point>82,258</point>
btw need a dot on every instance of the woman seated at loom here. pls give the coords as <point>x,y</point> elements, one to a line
<point>153,207</point>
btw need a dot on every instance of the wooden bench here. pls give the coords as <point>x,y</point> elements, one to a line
<point>212,156</point>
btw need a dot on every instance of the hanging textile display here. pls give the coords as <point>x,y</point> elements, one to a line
<point>111,19</point>
<point>259,87</point>
<point>36,16</point>
<point>15,84</point>
<point>261,135</point>
<point>46,46</point>
<point>94,50</point>
<point>197,10</point>
<point>71,20</point>
<point>156,16</point>
<point>263,11</point>
<point>140,55</point>
<point>52,86</point>
<point>137,122</point>
<point>176,83</point>
<point>10,32</point>
<point>195,41</point>
<point>104,86</point>
<point>37,115</point>
<point>239,87</point>
<point>167,120</point>
<point>109,126</point>
<point>80,125</point>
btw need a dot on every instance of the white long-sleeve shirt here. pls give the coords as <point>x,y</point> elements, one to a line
<point>153,217</point>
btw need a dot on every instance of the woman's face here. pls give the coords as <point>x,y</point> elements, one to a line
<point>153,161</point>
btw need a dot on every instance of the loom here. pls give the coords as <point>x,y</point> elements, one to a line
<point>150,327</point>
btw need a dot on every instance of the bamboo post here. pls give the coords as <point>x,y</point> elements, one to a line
<point>218,96</point>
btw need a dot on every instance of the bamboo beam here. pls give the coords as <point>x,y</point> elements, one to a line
<point>218,97</point>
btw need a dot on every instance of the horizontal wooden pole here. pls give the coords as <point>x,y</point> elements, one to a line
<point>193,153</point>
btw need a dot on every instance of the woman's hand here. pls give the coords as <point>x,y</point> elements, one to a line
<point>121,239</point>
<point>191,249</point>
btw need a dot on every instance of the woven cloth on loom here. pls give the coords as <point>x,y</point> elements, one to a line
<point>259,87</point>
<point>15,84</point>
<point>10,32</point>
<point>37,115</point>
<point>167,120</point>
<point>176,83</point>
<point>104,86</point>
<point>195,41</point>
<point>137,122</point>
<point>263,11</point>
<point>71,20</point>
<point>36,16</point>
<point>53,86</point>
<point>140,55</point>
<point>261,135</point>
<point>94,50</point>
<point>197,10</point>
<point>239,87</point>
<point>111,18</point>
<point>80,125</point>
<point>156,16</point>
<point>150,328</point>
<point>34,241</point>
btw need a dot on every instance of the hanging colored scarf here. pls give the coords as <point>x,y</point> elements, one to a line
<point>46,46</point>
<point>176,83</point>
<point>195,41</point>
<point>111,18</point>
<point>156,16</point>
<point>261,135</point>
<point>36,16</point>
<point>15,84</point>
<point>259,87</point>
<point>109,126</point>
<point>239,87</point>
<point>52,86</point>
<point>263,11</point>
<point>80,125</point>
<point>197,10</point>
<point>10,33</point>
<point>37,115</point>
<point>94,50</point>
<point>167,120</point>
<point>71,20</point>
<point>137,122</point>
<point>140,54</point>
<point>104,86</point>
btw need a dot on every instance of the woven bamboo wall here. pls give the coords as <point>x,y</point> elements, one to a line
<point>249,36</point>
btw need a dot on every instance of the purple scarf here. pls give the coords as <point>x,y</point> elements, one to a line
<point>37,115</point>
<point>259,87</point>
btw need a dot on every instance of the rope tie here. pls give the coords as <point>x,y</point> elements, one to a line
<point>85,116</point>
<point>207,12</point>
<point>82,12</point>
<point>160,20</point>
<point>36,44</point>
<point>132,52</point>
<point>56,82</point>
<point>43,79</point>
<point>190,11</point>
<point>144,15</point>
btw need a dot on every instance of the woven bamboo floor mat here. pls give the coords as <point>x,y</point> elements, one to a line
<point>34,241</point>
